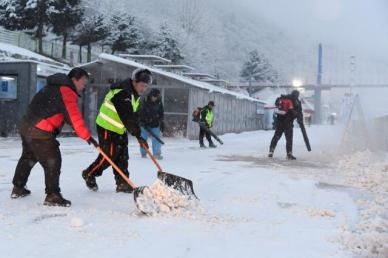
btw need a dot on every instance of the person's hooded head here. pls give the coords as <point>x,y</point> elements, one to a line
<point>295,94</point>
<point>154,95</point>
<point>141,79</point>
<point>211,105</point>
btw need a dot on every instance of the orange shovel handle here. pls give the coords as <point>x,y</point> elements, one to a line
<point>115,167</point>
<point>152,157</point>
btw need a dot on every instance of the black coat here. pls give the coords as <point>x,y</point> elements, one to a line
<point>51,107</point>
<point>151,114</point>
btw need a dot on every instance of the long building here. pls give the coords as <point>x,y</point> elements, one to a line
<point>234,112</point>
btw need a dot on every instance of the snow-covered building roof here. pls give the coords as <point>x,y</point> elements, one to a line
<point>192,82</point>
<point>217,82</point>
<point>182,68</point>
<point>199,76</point>
<point>45,66</point>
<point>147,58</point>
<point>10,52</point>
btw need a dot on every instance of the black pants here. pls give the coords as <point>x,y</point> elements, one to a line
<point>47,153</point>
<point>116,147</point>
<point>286,127</point>
<point>202,133</point>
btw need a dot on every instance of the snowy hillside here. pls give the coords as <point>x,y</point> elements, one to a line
<point>215,38</point>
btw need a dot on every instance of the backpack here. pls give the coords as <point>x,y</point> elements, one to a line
<point>197,114</point>
<point>284,104</point>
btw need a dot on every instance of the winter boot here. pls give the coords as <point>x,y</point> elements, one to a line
<point>124,188</point>
<point>290,156</point>
<point>18,192</point>
<point>158,156</point>
<point>56,199</point>
<point>212,145</point>
<point>202,145</point>
<point>90,181</point>
<point>270,155</point>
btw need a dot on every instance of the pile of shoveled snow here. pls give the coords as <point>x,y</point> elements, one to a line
<point>368,171</point>
<point>158,199</point>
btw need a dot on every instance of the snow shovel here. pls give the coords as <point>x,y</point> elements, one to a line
<point>209,131</point>
<point>136,190</point>
<point>183,185</point>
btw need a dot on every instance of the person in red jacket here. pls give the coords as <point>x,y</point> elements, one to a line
<point>49,109</point>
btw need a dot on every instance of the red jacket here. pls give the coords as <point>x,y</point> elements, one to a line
<point>51,107</point>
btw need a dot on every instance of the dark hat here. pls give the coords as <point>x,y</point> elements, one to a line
<point>142,75</point>
<point>211,103</point>
<point>295,93</point>
<point>155,92</point>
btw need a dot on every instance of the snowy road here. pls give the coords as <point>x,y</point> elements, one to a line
<point>253,207</point>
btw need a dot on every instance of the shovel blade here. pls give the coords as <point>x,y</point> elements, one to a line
<point>183,185</point>
<point>137,192</point>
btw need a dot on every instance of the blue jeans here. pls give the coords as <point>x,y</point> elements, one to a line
<point>156,146</point>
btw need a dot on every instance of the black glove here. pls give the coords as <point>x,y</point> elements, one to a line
<point>91,140</point>
<point>162,126</point>
<point>142,142</point>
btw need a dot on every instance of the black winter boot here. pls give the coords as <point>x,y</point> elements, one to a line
<point>290,156</point>
<point>18,192</point>
<point>202,145</point>
<point>212,145</point>
<point>270,155</point>
<point>124,188</point>
<point>90,181</point>
<point>56,199</point>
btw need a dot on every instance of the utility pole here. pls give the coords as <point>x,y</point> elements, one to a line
<point>318,89</point>
<point>352,67</point>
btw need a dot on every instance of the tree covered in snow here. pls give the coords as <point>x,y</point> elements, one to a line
<point>92,29</point>
<point>124,33</point>
<point>258,68</point>
<point>65,16</point>
<point>166,45</point>
<point>28,15</point>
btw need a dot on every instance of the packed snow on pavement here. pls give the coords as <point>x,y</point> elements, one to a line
<point>327,203</point>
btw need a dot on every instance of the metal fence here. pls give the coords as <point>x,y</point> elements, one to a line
<point>52,48</point>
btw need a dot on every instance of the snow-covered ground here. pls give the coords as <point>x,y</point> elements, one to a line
<point>325,204</point>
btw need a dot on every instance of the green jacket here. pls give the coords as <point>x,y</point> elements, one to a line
<point>207,116</point>
<point>118,113</point>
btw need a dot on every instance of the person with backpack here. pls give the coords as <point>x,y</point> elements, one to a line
<point>118,115</point>
<point>151,115</point>
<point>289,108</point>
<point>50,108</point>
<point>206,118</point>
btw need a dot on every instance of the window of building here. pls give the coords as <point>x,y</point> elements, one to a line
<point>40,83</point>
<point>8,87</point>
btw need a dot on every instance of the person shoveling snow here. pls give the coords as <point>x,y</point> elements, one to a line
<point>159,199</point>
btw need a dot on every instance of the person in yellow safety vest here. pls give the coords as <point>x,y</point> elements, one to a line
<point>118,115</point>
<point>206,122</point>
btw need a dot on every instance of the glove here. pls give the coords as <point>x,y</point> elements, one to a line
<point>91,140</point>
<point>162,126</point>
<point>142,142</point>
